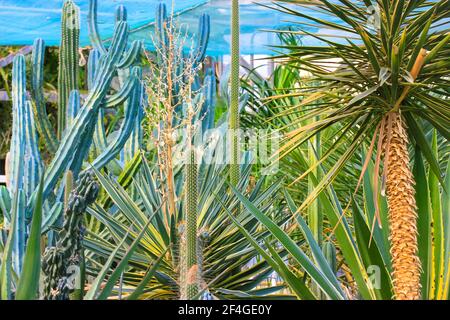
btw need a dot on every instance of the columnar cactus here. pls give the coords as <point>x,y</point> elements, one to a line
<point>68,74</point>
<point>72,107</point>
<point>37,72</point>
<point>190,279</point>
<point>80,121</point>
<point>234,95</point>
<point>209,105</point>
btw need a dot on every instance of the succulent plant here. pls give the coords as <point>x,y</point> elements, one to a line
<point>68,73</point>
<point>62,263</point>
<point>79,120</point>
<point>190,278</point>
<point>234,95</point>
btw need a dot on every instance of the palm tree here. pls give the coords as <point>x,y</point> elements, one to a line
<point>380,73</point>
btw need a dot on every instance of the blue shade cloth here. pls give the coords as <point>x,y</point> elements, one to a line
<point>23,21</point>
<point>257,23</point>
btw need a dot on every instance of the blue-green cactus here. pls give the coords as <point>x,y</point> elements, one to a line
<point>161,24</point>
<point>202,37</point>
<point>131,113</point>
<point>17,149</point>
<point>121,13</point>
<point>80,121</point>
<point>208,109</point>
<point>68,73</point>
<point>233,124</point>
<point>37,81</point>
<point>72,107</point>
<point>93,28</point>
<point>93,61</point>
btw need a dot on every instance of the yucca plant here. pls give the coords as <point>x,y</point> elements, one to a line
<point>201,254</point>
<point>386,80</point>
<point>354,261</point>
<point>227,264</point>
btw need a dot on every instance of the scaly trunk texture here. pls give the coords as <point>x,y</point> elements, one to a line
<point>402,212</point>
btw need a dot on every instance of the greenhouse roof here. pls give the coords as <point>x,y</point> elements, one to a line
<point>23,21</point>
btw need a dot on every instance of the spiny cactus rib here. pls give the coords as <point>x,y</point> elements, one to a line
<point>5,203</point>
<point>121,13</point>
<point>160,24</point>
<point>33,165</point>
<point>131,113</point>
<point>132,55</point>
<point>208,109</point>
<point>201,46</point>
<point>82,124</point>
<point>234,95</point>
<point>191,268</point>
<point>17,149</point>
<point>68,60</point>
<point>59,262</point>
<point>20,232</point>
<point>51,218</point>
<point>203,37</point>
<point>100,141</point>
<point>37,91</point>
<point>121,96</point>
<point>93,61</point>
<point>93,28</point>
<point>73,107</point>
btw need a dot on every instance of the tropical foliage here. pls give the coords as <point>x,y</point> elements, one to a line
<point>138,185</point>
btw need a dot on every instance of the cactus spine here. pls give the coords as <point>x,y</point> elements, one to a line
<point>68,60</point>
<point>190,279</point>
<point>234,95</point>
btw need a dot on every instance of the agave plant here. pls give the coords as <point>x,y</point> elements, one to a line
<point>386,81</point>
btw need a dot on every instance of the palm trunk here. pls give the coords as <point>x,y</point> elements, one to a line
<point>402,211</point>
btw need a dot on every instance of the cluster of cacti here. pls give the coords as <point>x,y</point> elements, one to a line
<point>63,264</point>
<point>77,121</point>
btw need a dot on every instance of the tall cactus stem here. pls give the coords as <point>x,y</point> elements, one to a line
<point>191,268</point>
<point>37,90</point>
<point>234,96</point>
<point>68,60</point>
